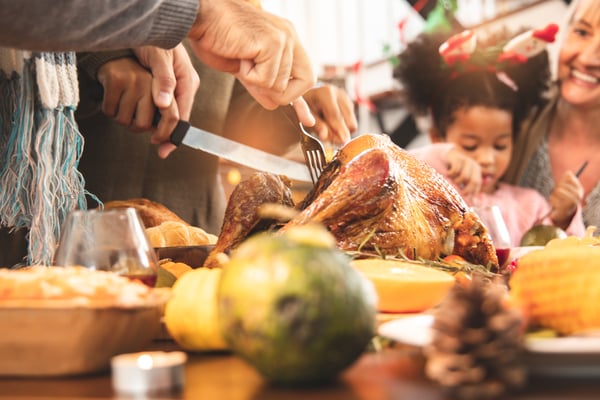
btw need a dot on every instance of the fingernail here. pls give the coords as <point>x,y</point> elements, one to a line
<point>164,98</point>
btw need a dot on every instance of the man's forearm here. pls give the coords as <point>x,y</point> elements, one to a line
<point>91,25</point>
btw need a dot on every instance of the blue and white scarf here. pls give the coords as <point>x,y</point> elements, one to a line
<point>40,146</point>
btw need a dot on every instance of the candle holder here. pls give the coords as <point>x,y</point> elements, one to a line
<point>148,372</point>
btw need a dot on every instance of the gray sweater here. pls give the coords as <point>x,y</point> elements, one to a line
<point>91,25</point>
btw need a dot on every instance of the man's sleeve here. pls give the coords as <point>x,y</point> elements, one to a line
<point>93,25</point>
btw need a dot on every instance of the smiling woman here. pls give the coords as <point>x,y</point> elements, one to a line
<point>564,133</point>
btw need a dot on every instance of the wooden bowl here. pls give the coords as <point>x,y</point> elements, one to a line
<point>70,340</point>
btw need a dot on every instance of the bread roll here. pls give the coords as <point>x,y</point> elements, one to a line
<point>151,212</point>
<point>173,233</point>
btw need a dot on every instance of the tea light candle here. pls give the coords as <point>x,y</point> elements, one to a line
<point>148,372</point>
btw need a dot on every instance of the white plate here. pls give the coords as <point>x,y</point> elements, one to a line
<point>415,331</point>
<point>518,252</point>
<point>564,345</point>
<point>564,356</point>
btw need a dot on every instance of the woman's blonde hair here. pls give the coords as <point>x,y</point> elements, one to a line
<point>588,8</point>
<point>576,10</point>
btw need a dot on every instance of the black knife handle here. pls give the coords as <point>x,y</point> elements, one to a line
<point>97,93</point>
<point>179,132</point>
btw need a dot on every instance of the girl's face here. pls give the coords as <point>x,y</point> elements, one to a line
<point>579,57</point>
<point>485,135</point>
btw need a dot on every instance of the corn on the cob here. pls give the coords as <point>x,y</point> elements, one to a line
<point>558,287</point>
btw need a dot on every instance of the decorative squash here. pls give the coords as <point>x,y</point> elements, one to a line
<point>292,306</point>
<point>191,315</point>
<point>169,271</point>
<point>175,268</point>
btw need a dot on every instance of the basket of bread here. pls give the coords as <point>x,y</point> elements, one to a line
<point>170,236</point>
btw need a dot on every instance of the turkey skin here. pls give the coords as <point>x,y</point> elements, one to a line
<point>375,198</point>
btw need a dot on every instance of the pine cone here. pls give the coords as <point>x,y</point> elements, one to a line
<point>477,342</point>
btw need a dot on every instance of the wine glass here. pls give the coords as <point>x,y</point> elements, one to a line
<point>491,217</point>
<point>109,240</point>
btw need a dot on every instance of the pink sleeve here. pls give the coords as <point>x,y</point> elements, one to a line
<point>577,227</point>
<point>436,155</point>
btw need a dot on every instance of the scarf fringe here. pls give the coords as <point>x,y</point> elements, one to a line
<point>39,179</point>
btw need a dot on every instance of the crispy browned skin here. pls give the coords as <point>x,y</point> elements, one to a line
<point>355,202</point>
<point>376,197</point>
<point>242,212</point>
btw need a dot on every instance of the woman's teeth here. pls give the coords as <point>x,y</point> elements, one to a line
<point>584,77</point>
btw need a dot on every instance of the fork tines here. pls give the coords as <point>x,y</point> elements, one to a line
<point>315,163</point>
<point>314,154</point>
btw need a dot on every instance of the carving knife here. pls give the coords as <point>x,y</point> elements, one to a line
<point>226,148</point>
<point>237,152</point>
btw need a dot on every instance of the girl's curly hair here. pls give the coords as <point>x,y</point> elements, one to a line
<point>430,85</point>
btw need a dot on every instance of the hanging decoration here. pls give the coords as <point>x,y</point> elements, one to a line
<point>360,99</point>
<point>443,17</point>
<point>401,26</point>
<point>461,49</point>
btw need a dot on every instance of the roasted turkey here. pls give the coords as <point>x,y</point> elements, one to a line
<point>242,217</point>
<point>374,197</point>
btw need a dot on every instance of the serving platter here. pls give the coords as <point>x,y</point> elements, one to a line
<point>571,356</point>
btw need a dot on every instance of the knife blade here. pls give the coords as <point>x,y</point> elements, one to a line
<point>237,152</point>
<point>227,149</point>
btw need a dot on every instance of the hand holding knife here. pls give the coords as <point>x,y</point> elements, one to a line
<point>227,149</point>
<point>237,152</point>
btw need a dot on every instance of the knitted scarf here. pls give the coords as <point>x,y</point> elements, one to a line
<point>40,146</point>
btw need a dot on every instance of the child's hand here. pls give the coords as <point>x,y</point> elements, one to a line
<point>464,172</point>
<point>564,199</point>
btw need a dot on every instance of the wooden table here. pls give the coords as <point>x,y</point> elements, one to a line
<point>393,373</point>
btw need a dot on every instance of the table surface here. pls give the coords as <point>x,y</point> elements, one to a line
<point>392,373</point>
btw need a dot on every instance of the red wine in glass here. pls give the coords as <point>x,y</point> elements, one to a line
<point>491,217</point>
<point>502,255</point>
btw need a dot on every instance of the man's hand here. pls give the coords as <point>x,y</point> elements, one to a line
<point>334,113</point>
<point>127,94</point>
<point>262,50</point>
<point>173,78</point>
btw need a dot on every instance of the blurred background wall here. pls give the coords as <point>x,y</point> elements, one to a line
<point>352,44</point>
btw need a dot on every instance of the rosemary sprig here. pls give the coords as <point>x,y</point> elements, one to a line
<point>454,267</point>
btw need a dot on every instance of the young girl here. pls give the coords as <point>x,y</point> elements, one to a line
<point>476,97</point>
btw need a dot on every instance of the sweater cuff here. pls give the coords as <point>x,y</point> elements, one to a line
<point>91,62</point>
<point>175,20</point>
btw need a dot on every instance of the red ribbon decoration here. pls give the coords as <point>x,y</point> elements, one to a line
<point>402,23</point>
<point>365,101</point>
